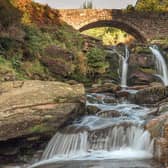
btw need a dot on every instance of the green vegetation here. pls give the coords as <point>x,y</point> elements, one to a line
<point>152,5</point>
<point>38,129</point>
<point>96,62</point>
<point>109,35</point>
<point>40,46</point>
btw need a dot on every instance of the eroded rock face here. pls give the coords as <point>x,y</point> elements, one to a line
<point>106,87</point>
<point>151,95</point>
<point>37,107</point>
<point>158,127</point>
<point>58,61</point>
<point>140,78</point>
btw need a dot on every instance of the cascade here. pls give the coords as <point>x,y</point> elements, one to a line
<point>102,136</point>
<point>124,68</point>
<point>124,65</point>
<point>161,67</point>
<point>114,139</point>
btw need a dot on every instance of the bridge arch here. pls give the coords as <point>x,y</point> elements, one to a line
<point>116,24</point>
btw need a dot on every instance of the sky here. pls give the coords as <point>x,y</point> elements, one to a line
<point>112,4</point>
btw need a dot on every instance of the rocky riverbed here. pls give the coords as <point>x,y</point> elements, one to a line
<point>31,112</point>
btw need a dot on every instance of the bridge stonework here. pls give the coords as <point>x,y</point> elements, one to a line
<point>143,26</point>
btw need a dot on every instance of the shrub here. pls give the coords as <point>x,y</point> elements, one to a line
<point>96,62</point>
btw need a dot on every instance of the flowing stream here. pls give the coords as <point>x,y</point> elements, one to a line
<point>123,64</point>
<point>113,137</point>
<point>161,67</point>
<point>124,68</point>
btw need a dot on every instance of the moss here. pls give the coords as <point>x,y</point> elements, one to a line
<point>6,69</point>
<point>139,50</point>
<point>31,68</point>
<point>148,70</point>
<point>41,128</point>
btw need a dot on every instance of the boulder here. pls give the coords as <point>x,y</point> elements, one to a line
<point>140,78</point>
<point>92,110</point>
<point>142,60</point>
<point>110,113</point>
<point>106,87</point>
<point>37,107</point>
<point>150,95</point>
<point>57,60</point>
<point>158,127</point>
<point>163,107</point>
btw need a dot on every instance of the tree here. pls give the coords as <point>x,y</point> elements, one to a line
<point>152,5</point>
<point>87,5</point>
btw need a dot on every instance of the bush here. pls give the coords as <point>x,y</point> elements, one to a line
<point>152,5</point>
<point>96,62</point>
<point>37,40</point>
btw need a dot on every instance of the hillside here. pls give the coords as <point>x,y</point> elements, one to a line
<point>37,45</point>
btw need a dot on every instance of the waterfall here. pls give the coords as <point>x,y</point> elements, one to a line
<point>102,137</point>
<point>161,66</point>
<point>66,144</point>
<point>118,138</point>
<point>124,68</point>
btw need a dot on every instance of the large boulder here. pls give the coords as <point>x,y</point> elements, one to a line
<point>158,127</point>
<point>150,95</point>
<point>102,88</point>
<point>57,60</point>
<point>140,78</point>
<point>37,107</point>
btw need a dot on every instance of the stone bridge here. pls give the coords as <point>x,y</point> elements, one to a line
<point>143,26</point>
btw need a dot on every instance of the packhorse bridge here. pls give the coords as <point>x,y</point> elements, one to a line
<point>142,25</point>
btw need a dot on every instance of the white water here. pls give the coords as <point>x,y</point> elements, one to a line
<point>116,143</point>
<point>124,68</point>
<point>160,65</point>
<point>84,145</point>
<point>95,138</point>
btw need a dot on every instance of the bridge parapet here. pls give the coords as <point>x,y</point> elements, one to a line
<point>143,26</point>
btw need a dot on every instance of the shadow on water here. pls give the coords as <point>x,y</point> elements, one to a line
<point>105,164</point>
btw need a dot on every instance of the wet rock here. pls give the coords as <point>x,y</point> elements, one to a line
<point>110,113</point>
<point>158,127</point>
<point>122,94</point>
<point>108,87</point>
<point>140,78</point>
<point>9,150</point>
<point>95,99</point>
<point>156,84</point>
<point>110,100</point>
<point>161,150</point>
<point>91,109</point>
<point>163,107</point>
<point>151,95</point>
<point>37,107</point>
<point>138,87</point>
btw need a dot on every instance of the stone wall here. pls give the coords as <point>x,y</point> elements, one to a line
<point>143,26</point>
